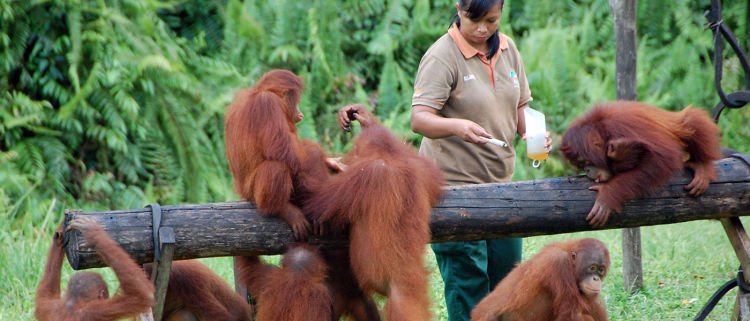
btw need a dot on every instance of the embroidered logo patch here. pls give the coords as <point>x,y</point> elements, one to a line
<point>469,77</point>
<point>514,77</point>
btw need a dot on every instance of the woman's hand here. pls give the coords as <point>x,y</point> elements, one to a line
<point>428,122</point>
<point>547,141</point>
<point>469,131</point>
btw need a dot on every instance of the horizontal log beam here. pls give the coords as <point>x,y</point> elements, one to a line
<point>473,212</point>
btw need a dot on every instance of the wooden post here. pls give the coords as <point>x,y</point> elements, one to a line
<point>741,244</point>
<point>627,52</point>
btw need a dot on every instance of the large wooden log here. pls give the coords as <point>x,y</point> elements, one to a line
<point>524,208</point>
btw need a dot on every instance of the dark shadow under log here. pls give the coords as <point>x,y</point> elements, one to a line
<point>524,208</point>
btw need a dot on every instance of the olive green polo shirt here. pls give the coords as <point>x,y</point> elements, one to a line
<point>460,82</point>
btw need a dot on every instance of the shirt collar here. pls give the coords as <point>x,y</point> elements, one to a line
<point>466,49</point>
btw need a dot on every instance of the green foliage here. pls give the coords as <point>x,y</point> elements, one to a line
<point>200,21</point>
<point>134,91</point>
<point>92,88</point>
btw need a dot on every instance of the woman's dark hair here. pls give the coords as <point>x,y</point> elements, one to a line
<point>475,10</point>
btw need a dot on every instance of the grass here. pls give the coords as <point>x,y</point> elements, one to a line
<point>683,265</point>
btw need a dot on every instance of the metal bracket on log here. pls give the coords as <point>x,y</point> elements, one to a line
<point>164,243</point>
<point>162,268</point>
<point>155,225</point>
<point>474,212</point>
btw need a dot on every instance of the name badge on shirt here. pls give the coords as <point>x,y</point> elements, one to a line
<point>514,77</point>
<point>469,77</point>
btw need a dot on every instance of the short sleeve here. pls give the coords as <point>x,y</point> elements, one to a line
<point>525,94</point>
<point>433,83</point>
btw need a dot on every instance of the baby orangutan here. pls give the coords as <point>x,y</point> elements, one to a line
<point>630,149</point>
<point>562,282</point>
<point>87,297</point>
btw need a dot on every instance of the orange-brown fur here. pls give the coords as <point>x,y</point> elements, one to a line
<point>296,291</point>
<point>386,196</point>
<point>264,153</point>
<point>86,297</point>
<point>640,147</point>
<point>546,287</point>
<point>348,298</point>
<point>195,292</point>
<point>278,171</point>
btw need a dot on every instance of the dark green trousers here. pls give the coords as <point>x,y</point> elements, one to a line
<point>470,270</point>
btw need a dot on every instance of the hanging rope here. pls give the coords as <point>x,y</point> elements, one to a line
<point>721,32</point>
<point>738,281</point>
